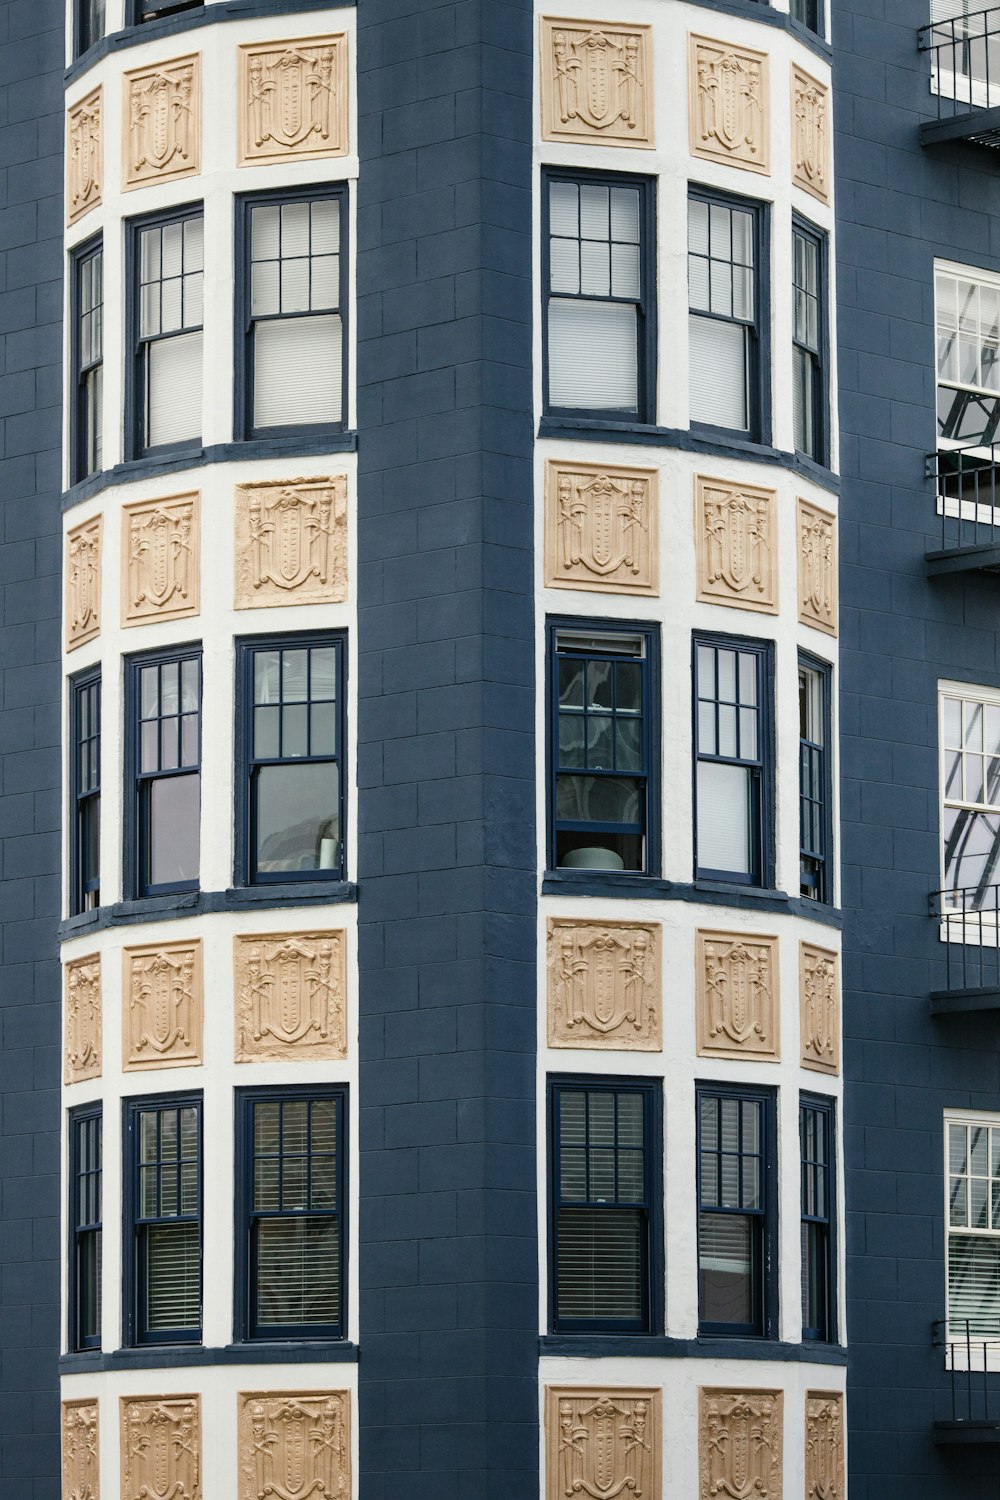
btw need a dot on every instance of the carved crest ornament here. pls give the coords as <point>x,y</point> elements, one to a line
<point>824,1445</point>
<point>737,995</point>
<point>817,567</point>
<point>295,1446</point>
<point>811,134</point>
<point>161,136</point>
<point>601,528</point>
<point>160,559</point>
<point>291,542</point>
<point>740,1436</point>
<point>736,544</point>
<point>819,1007</point>
<point>729,104</point>
<point>161,1448</point>
<point>293,99</point>
<point>602,1443</point>
<point>82,990</point>
<point>83,582</point>
<point>163,1008</point>
<point>80,1451</point>
<point>596,82</point>
<point>85,155</point>
<point>290,996</point>
<point>604,984</point>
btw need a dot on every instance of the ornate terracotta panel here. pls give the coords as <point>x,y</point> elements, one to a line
<point>596,82</point>
<point>602,1443</point>
<point>729,104</point>
<point>604,987</point>
<point>739,1444</point>
<point>82,1001</point>
<point>84,155</point>
<point>160,559</point>
<point>161,1448</point>
<point>825,1446</point>
<point>737,995</point>
<point>291,996</point>
<point>161,129</point>
<point>162,1006</point>
<point>295,1445</point>
<point>84,546</point>
<point>80,1451</point>
<point>810,134</point>
<point>819,1008</point>
<point>817,567</point>
<point>736,539</point>
<point>293,99</point>
<point>291,542</point>
<point>601,528</point>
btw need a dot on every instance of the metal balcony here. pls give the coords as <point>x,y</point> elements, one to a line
<point>967,491</point>
<point>972,1355</point>
<point>965,78</point>
<point>970,929</point>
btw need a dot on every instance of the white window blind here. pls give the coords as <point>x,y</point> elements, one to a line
<point>718,373</point>
<point>600,1271</point>
<point>174,389</point>
<point>297,371</point>
<point>593,355</point>
<point>298,1263</point>
<point>173,1277</point>
<point>723,817</point>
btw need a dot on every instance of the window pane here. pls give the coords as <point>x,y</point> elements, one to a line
<point>297,371</point>
<point>174,835</point>
<point>593,360</point>
<point>298,1272</point>
<point>718,373</point>
<point>724,828</point>
<point>173,412</point>
<point>298,817</point>
<point>600,1265</point>
<point>725,1269</point>
<point>173,1277</point>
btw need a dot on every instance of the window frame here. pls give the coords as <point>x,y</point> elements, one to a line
<point>652,730</point>
<point>136,847</point>
<point>984,696</point>
<point>245,1329</point>
<point>826,1109</point>
<point>80,45</point>
<point>81,683</point>
<point>820,27</point>
<point>826,882</point>
<point>991,432</point>
<point>651,1092</point>
<point>140,14</point>
<point>80,255</point>
<point>965,1119</point>
<point>762,875</point>
<point>76,1342</point>
<point>133,1279</point>
<point>646,306</point>
<point>136,446</point>
<point>766,1326</point>
<point>244,322</point>
<point>801,226</point>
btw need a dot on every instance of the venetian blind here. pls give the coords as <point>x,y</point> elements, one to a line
<point>173,413</point>
<point>599,1274</point>
<point>298,1271</point>
<point>973,1284</point>
<point>173,1277</point>
<point>718,372</point>
<point>723,817</point>
<point>298,371</point>
<point>593,355</point>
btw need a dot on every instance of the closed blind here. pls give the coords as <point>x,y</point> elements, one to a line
<point>297,371</point>
<point>174,391</point>
<point>723,817</point>
<point>173,1277</point>
<point>298,1271</point>
<point>802,413</point>
<point>718,373</point>
<point>593,355</point>
<point>599,1274</point>
<point>973,1284</point>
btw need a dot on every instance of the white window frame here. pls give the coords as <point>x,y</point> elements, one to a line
<point>958,1355</point>
<point>954,927</point>
<point>963,87</point>
<point>980,277</point>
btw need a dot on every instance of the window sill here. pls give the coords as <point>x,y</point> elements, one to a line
<point>653,1346</point>
<point>180,1355</point>
<point>198,903</point>
<point>615,886</point>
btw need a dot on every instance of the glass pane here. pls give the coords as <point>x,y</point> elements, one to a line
<point>598,799</point>
<point>265,733</point>
<point>324,285</point>
<point>171,240</point>
<point>190,685</point>
<point>718,373</point>
<point>599,1271</point>
<point>174,397</point>
<point>149,691</point>
<point>298,1272</point>
<point>564,265</point>
<point>594,211</point>
<point>295,731</point>
<point>593,355</point>
<point>173,1277</point>
<point>297,817</point>
<point>600,684</point>
<point>572,1116</point>
<point>298,371</point>
<point>724,818</point>
<point>294,286</point>
<point>571,683</point>
<point>149,746</point>
<point>264,289</point>
<point>625,271</point>
<point>628,687</point>
<point>564,214</point>
<point>600,743</point>
<point>571,742</point>
<point>294,229</point>
<point>295,678</point>
<point>697,227</point>
<point>323,729</point>
<point>174,836</point>
<point>625,215</point>
<point>168,745</point>
<point>727,675</point>
<point>264,232</point>
<point>266,676</point>
<point>725,1269</point>
<point>595,269</point>
<point>194,244</point>
<point>325,226</point>
<point>628,745</point>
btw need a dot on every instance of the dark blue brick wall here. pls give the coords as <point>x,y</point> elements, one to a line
<point>31,123</point>
<point>898,207</point>
<point>448,1240</point>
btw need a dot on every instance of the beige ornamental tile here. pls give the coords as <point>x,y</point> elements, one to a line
<point>161,126</point>
<point>84,155</point>
<point>596,81</point>
<point>736,544</point>
<point>160,559</point>
<point>81,1478</point>
<point>293,99</point>
<point>604,987</point>
<point>83,1018</point>
<point>603,1441</point>
<point>825,1476</point>
<point>291,996</point>
<point>729,104</point>
<point>291,542</point>
<point>819,1008</point>
<point>736,995</point>
<point>601,528</point>
<point>294,1444</point>
<point>810,134</point>
<point>817,533</point>
<point>162,1005</point>
<point>740,1443</point>
<point>161,1448</point>
<point>84,548</point>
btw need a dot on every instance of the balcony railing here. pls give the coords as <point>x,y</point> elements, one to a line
<point>967,493</point>
<point>972,1356</point>
<point>969,918</point>
<point>965,77</point>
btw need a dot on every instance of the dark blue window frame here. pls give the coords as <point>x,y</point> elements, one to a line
<point>754,1173</point>
<point>817,1145</point>
<point>649,1206</point>
<point>816,783</point>
<point>138,11</point>
<point>136,1225</point>
<point>85,791</point>
<point>249,764</point>
<point>247,1324</point>
<point>758,766</point>
<point>89,23</point>
<point>137,345</point>
<point>87,354</point>
<point>86,1171</point>
<point>810,14</point>
<point>645,304</point>
<point>247,321</point>
<point>815,351</point>
<point>139,783</point>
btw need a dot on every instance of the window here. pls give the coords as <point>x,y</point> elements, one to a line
<point>165,717</point>
<point>810,13</point>
<point>732,779</point>
<point>815,782</point>
<point>599,281</point>
<point>293,296</point>
<point>85,1150</point>
<point>601,683</point>
<point>816,1145</point>
<point>292,1214</point>
<point>164,1183</point>
<point>89,24</point>
<point>972,1164</point>
<point>970,779</point>
<point>168,259</point>
<point>965,53</point>
<point>604,1219</point>
<point>808,332</point>
<point>151,10</point>
<point>88,360</point>
<point>725,325</point>
<point>968,356</point>
<point>85,828</point>
<point>737,1212</point>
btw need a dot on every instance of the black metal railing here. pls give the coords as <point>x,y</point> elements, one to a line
<point>970,919</point>
<point>965,61</point>
<point>972,1354</point>
<point>967,485</point>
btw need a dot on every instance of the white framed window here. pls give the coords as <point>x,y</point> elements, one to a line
<point>969,739</point>
<point>965,43</point>
<point>967,320</point>
<point>972,1217</point>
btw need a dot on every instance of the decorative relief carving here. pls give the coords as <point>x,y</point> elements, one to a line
<point>739,1441</point>
<point>290,992</point>
<point>604,984</point>
<point>84,155</point>
<point>728,104</point>
<point>82,988</point>
<point>161,134</point>
<point>295,1445</point>
<point>737,995</point>
<point>735,527</point>
<point>83,582</point>
<point>597,83</point>
<point>291,542</point>
<point>819,1008</point>
<point>825,1445</point>
<point>811,134</point>
<point>602,1443</point>
<point>161,1448</point>
<point>80,1451</point>
<point>817,567</point>
<point>293,99</point>
<point>163,1006</point>
<point>601,528</point>
<point>160,570</point>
